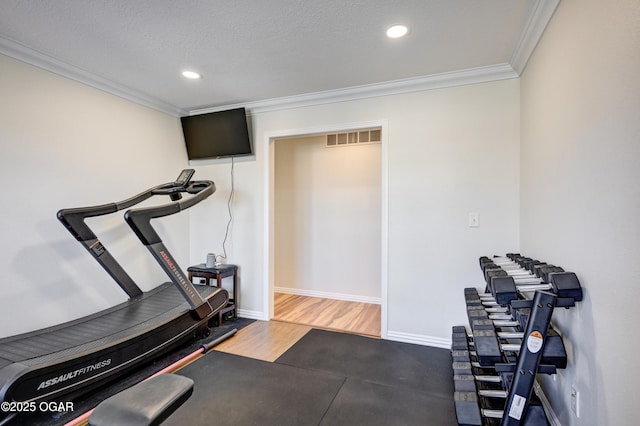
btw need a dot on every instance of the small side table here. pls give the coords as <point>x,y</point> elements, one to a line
<point>218,273</point>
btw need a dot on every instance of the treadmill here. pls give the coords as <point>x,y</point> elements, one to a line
<point>81,354</point>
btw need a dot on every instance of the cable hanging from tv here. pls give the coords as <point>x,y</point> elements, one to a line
<point>229,201</point>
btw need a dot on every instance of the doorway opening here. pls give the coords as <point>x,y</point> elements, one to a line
<point>327,233</point>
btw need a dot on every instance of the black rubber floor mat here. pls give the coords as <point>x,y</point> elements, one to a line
<point>402,365</point>
<point>366,403</point>
<point>234,390</point>
<point>326,378</point>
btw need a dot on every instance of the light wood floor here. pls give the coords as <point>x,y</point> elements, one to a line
<point>265,340</point>
<point>294,316</point>
<point>338,315</point>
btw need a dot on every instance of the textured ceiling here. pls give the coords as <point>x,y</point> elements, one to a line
<point>255,50</point>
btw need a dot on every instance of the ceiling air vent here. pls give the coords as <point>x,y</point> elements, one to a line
<point>356,137</point>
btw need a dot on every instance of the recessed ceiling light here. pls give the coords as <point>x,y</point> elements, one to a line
<point>397,31</point>
<point>191,74</point>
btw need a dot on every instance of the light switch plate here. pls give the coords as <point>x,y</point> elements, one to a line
<point>474,220</point>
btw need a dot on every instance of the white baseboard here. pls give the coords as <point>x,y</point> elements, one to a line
<point>551,415</point>
<point>328,295</point>
<point>255,315</point>
<point>419,339</point>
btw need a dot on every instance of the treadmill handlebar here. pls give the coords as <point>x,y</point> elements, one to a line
<point>175,188</point>
<point>140,219</point>
<point>73,218</point>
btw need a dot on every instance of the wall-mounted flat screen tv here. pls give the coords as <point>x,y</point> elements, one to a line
<point>217,134</point>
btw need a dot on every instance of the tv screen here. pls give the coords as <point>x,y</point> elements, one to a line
<point>217,134</point>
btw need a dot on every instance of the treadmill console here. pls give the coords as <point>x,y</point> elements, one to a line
<point>185,177</point>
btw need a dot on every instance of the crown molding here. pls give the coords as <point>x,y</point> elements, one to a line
<point>539,17</point>
<point>22,53</point>
<point>395,87</point>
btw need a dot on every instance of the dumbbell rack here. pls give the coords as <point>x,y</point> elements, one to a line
<point>494,381</point>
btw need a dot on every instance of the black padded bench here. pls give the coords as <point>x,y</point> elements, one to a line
<point>147,403</point>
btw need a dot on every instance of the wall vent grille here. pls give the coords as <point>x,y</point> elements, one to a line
<point>354,137</point>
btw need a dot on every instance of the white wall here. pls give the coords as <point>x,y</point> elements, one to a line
<point>450,152</point>
<point>581,197</point>
<point>63,144</point>
<point>327,214</point>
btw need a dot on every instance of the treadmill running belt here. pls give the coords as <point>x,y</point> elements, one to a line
<point>153,308</point>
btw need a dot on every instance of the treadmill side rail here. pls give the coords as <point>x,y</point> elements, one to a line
<point>201,307</point>
<point>73,220</point>
<point>140,222</point>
